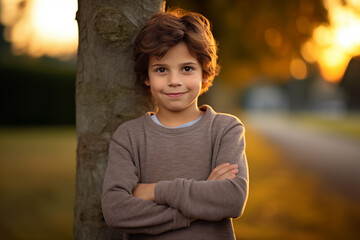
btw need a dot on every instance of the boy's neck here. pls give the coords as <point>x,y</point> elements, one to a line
<point>178,118</point>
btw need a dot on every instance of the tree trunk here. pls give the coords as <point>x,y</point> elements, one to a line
<point>106,96</point>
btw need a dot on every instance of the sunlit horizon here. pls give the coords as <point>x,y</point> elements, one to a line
<point>332,46</point>
<point>41,27</point>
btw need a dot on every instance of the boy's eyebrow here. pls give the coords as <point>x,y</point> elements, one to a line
<point>159,65</point>
<point>181,64</point>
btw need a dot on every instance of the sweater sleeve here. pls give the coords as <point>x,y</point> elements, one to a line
<point>121,209</point>
<point>216,199</point>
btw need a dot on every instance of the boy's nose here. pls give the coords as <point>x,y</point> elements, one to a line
<point>174,80</point>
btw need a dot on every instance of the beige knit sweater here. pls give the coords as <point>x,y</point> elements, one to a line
<point>179,161</point>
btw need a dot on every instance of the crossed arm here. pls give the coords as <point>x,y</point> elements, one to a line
<point>146,191</point>
<point>125,202</point>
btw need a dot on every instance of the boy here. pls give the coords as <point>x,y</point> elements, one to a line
<point>179,173</point>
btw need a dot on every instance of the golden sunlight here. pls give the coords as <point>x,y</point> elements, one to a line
<point>333,45</point>
<point>298,69</point>
<point>41,27</point>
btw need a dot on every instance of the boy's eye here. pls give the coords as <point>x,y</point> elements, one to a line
<point>160,70</point>
<point>188,69</point>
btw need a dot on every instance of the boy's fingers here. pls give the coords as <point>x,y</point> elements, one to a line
<point>218,170</point>
<point>228,175</point>
<point>215,170</point>
<point>223,171</point>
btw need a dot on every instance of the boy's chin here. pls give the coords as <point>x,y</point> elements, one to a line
<point>174,108</point>
<point>178,108</point>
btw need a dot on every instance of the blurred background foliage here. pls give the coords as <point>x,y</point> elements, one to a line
<point>288,68</point>
<point>259,37</point>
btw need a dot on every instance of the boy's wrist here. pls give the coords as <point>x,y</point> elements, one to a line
<point>145,191</point>
<point>151,189</point>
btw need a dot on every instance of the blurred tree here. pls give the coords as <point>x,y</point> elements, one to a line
<point>106,96</point>
<point>258,37</point>
<point>351,84</point>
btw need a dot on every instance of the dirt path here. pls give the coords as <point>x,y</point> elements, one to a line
<point>336,159</point>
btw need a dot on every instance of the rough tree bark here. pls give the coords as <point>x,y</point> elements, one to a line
<point>106,96</point>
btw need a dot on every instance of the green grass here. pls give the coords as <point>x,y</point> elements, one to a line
<point>37,191</point>
<point>347,125</point>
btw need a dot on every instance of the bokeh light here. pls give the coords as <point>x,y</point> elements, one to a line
<point>41,27</point>
<point>334,44</point>
<point>298,69</point>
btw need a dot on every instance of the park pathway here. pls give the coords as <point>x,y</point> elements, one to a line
<point>336,159</point>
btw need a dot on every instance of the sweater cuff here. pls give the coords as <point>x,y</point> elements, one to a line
<point>160,188</point>
<point>169,192</point>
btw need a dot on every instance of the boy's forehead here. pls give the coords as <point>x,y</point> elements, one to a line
<point>172,61</point>
<point>179,53</point>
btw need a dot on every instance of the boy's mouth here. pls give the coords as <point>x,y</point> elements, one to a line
<point>175,95</point>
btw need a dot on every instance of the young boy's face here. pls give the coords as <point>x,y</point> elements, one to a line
<point>175,80</point>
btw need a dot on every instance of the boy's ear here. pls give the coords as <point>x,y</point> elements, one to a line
<point>204,80</point>
<point>147,82</point>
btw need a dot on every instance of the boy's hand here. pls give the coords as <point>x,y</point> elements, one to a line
<point>224,171</point>
<point>145,191</point>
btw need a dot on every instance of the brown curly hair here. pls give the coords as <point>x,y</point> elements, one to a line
<point>166,29</point>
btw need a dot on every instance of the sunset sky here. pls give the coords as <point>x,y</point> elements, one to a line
<point>43,27</point>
